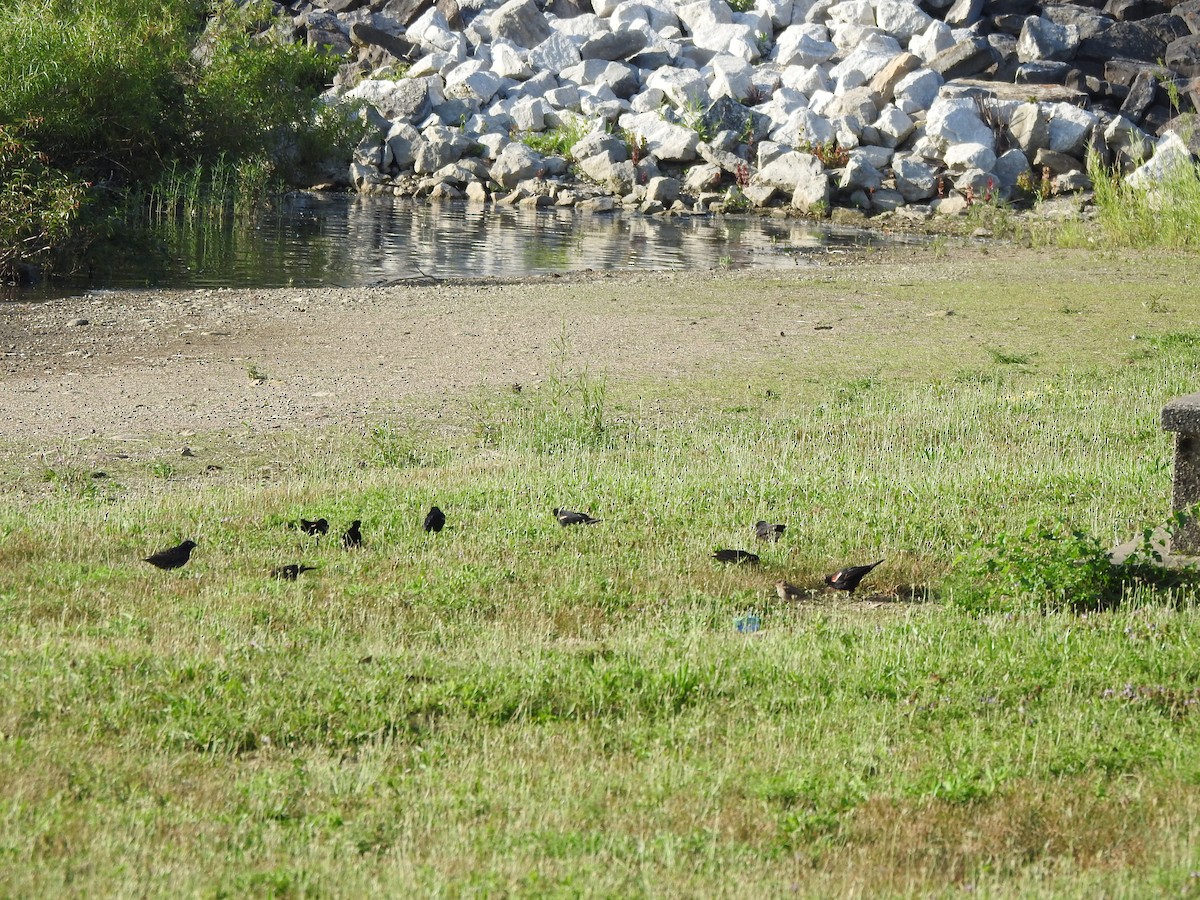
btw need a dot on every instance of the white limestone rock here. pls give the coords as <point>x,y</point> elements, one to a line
<point>860,173</point>
<point>957,121</point>
<point>932,41</point>
<point>509,62</point>
<point>666,141</point>
<point>962,157</point>
<point>920,87</point>
<point>731,77</point>
<point>802,45</point>
<point>682,87</point>
<point>1171,154</point>
<point>1009,168</point>
<point>915,180</point>
<point>893,127</point>
<point>901,20</point>
<point>1070,128</point>
<point>515,164</point>
<point>554,54</point>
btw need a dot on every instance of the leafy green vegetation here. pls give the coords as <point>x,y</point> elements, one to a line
<point>1165,215</point>
<point>559,140</point>
<point>108,100</point>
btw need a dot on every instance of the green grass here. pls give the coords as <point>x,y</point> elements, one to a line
<point>557,141</point>
<point>1166,216</point>
<point>510,707</point>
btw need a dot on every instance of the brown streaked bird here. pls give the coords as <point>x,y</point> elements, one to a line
<point>847,579</point>
<point>173,557</point>
<point>788,591</point>
<point>768,531</point>
<point>736,556</point>
<point>435,520</point>
<point>353,537</point>
<point>291,571</point>
<point>570,517</point>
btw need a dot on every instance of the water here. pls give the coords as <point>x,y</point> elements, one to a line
<point>350,241</point>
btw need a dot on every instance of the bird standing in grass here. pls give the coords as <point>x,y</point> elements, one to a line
<point>435,520</point>
<point>172,558</point>
<point>768,531</point>
<point>788,591</point>
<point>352,537</point>
<point>291,571</point>
<point>570,517</point>
<point>847,579</point>
<point>318,526</point>
<point>736,556</point>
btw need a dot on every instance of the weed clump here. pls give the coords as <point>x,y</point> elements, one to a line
<point>1058,567</point>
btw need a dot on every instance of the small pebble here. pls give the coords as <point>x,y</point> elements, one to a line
<point>75,322</point>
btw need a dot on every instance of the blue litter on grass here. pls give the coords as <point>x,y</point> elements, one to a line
<point>747,624</point>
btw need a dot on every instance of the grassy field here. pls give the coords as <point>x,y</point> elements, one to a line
<point>513,708</point>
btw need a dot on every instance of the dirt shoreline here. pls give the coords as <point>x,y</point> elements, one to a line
<point>194,361</point>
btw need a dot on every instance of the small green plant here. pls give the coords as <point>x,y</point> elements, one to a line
<point>636,144</point>
<point>735,200</point>
<point>1056,566</point>
<point>162,469</point>
<point>1030,187</point>
<point>740,6</point>
<point>830,153</point>
<point>254,373</point>
<point>691,115</point>
<point>556,141</point>
<point>1007,358</point>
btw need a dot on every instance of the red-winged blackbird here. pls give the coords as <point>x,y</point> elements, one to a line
<point>435,520</point>
<point>320,526</point>
<point>787,591</point>
<point>570,517</point>
<point>352,537</point>
<point>291,571</point>
<point>847,579</point>
<point>172,558</point>
<point>736,556</point>
<point>768,531</point>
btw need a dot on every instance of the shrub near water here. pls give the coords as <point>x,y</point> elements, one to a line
<point>109,93</point>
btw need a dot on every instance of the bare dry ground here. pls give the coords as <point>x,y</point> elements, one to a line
<point>171,362</point>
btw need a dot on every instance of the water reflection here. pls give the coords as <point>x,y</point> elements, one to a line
<point>318,240</point>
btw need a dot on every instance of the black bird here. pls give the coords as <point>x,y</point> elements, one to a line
<point>352,537</point>
<point>435,520</point>
<point>788,591</point>
<point>768,531</point>
<point>291,571</point>
<point>172,558</point>
<point>847,579</point>
<point>320,526</point>
<point>570,517</point>
<point>736,556</point>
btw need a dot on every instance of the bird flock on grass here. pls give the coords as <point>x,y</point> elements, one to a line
<point>846,579</point>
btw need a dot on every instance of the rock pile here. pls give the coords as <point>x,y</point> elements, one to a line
<point>789,104</point>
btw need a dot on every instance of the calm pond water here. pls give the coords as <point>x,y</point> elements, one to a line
<point>350,241</point>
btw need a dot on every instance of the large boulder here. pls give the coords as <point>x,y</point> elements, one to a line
<point>410,99</point>
<point>519,21</point>
<point>1042,39</point>
<point>958,121</point>
<point>516,163</point>
<point>667,141</point>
